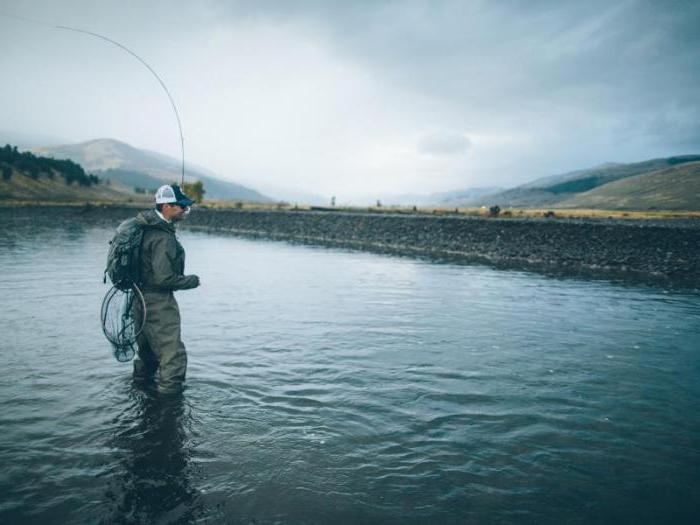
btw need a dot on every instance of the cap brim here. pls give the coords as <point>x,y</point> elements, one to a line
<point>184,202</point>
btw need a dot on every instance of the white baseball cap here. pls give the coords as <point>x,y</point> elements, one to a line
<point>172,194</point>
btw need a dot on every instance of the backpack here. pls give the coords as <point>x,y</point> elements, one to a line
<point>124,253</point>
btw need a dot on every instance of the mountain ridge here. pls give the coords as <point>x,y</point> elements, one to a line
<point>117,160</point>
<point>674,188</point>
<point>556,190</point>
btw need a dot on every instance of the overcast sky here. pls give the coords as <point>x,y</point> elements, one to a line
<point>361,99</point>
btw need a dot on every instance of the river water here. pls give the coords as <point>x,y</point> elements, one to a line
<point>332,386</point>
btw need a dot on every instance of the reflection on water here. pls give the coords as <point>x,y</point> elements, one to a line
<point>154,458</point>
<point>328,386</point>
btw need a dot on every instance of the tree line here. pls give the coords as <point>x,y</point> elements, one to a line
<point>35,166</point>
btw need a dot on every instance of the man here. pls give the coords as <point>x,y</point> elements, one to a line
<point>162,265</point>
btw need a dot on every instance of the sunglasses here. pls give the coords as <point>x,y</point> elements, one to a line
<point>181,206</point>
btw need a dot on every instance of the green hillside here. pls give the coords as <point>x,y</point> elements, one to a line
<point>674,188</point>
<point>562,190</point>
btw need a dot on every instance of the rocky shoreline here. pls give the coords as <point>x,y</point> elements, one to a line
<point>656,250</point>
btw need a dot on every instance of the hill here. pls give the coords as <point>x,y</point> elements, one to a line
<point>26,176</point>
<point>674,188</point>
<point>145,169</point>
<point>556,190</point>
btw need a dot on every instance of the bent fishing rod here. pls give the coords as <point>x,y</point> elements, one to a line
<point>137,57</point>
<point>160,81</point>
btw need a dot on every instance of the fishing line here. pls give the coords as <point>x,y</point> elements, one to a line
<point>137,57</point>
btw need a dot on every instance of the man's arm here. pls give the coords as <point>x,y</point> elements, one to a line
<point>165,275</point>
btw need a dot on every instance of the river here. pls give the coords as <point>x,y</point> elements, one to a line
<point>335,386</point>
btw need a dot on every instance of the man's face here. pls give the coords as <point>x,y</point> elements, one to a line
<point>174,212</point>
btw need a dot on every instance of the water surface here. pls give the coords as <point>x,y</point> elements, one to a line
<point>335,386</point>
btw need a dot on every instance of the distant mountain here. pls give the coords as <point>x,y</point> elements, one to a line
<point>665,183</point>
<point>446,198</point>
<point>465,197</point>
<point>674,188</point>
<point>145,169</point>
<point>556,190</point>
<point>133,179</point>
<point>282,194</point>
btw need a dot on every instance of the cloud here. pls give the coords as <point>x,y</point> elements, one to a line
<point>590,72</point>
<point>444,143</point>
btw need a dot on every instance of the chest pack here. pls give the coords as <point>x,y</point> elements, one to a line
<point>123,256</point>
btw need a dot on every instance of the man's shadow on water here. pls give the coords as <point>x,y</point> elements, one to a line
<point>152,483</point>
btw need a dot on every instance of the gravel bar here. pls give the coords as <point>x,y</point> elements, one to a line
<point>653,250</point>
<point>666,249</point>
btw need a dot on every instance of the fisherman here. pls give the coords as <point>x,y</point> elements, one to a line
<point>162,264</point>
